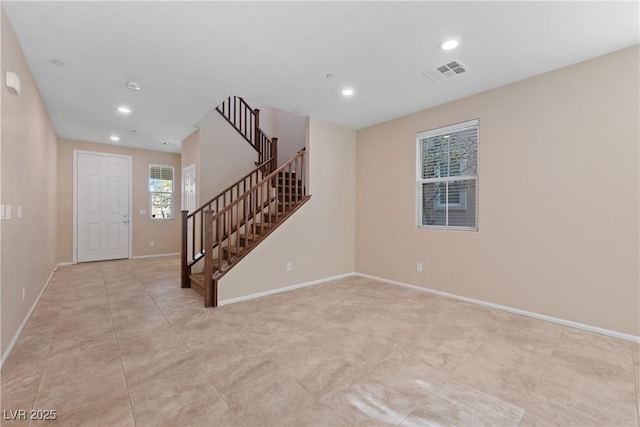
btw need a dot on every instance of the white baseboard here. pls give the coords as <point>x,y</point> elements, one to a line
<point>13,342</point>
<point>155,256</point>
<point>134,257</point>
<point>285,289</point>
<point>608,332</point>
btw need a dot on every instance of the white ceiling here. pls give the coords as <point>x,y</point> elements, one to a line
<point>188,56</point>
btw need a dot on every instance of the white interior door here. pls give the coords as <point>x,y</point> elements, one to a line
<point>189,199</point>
<point>189,188</point>
<point>102,207</point>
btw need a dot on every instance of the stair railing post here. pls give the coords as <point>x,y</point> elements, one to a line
<point>208,259</point>
<point>184,268</point>
<point>256,114</point>
<point>274,154</point>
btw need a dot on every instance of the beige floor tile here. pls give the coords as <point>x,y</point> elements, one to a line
<point>600,380</point>
<point>202,328</point>
<point>517,350</point>
<point>107,411</point>
<point>517,323</point>
<point>502,382</point>
<point>214,412</point>
<point>478,318</point>
<point>577,339</point>
<point>553,405</point>
<point>17,395</point>
<point>149,342</point>
<point>318,374</point>
<point>24,366</point>
<point>445,346</point>
<point>313,414</point>
<point>86,389</point>
<point>268,401</point>
<point>461,405</point>
<point>83,359</point>
<point>408,374</point>
<point>360,350</point>
<point>364,401</point>
<point>237,370</point>
<point>62,343</point>
<point>120,343</point>
<point>164,386</point>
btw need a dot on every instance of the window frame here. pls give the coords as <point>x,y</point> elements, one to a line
<point>172,193</point>
<point>459,178</point>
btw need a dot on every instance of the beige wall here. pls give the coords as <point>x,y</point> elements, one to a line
<point>290,131</point>
<point>318,239</point>
<point>558,197</point>
<point>190,155</point>
<point>225,156</point>
<point>29,251</point>
<point>289,128</point>
<point>164,233</point>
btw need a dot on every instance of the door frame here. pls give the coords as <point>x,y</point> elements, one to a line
<point>75,198</point>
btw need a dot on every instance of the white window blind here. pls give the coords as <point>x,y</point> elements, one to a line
<point>161,191</point>
<point>447,176</point>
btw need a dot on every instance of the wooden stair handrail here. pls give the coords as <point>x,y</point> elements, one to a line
<point>268,178</point>
<point>288,183</point>
<point>208,203</point>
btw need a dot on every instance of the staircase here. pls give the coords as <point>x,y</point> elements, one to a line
<point>217,235</point>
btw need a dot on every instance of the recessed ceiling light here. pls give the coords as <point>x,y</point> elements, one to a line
<point>57,62</point>
<point>124,110</point>
<point>133,85</point>
<point>347,92</point>
<point>114,138</point>
<point>449,44</point>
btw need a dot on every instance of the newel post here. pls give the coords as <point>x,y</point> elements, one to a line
<point>208,259</point>
<point>184,268</point>
<point>256,115</point>
<point>274,154</point>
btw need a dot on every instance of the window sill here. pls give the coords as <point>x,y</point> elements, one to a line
<point>446,227</point>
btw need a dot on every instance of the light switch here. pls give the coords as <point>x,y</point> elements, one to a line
<point>19,211</point>
<point>13,82</point>
<point>7,211</point>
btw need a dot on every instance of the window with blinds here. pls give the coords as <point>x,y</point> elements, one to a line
<point>161,191</point>
<point>447,177</point>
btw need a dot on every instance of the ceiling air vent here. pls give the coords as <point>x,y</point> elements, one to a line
<point>446,71</point>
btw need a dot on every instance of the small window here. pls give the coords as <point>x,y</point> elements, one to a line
<point>447,177</point>
<point>161,191</point>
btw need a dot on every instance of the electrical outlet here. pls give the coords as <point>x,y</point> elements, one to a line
<point>419,266</point>
<point>152,243</point>
<point>24,292</point>
<point>289,266</point>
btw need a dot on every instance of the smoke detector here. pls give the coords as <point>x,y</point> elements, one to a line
<point>446,71</point>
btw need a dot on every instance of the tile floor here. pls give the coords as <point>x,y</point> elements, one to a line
<point>119,343</point>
